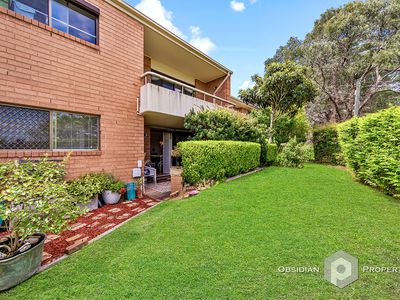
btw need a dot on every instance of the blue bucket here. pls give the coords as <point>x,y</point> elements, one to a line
<point>131,191</point>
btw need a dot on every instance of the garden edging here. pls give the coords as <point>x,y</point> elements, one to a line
<point>56,261</point>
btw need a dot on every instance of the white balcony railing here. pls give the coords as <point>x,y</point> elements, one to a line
<point>154,98</point>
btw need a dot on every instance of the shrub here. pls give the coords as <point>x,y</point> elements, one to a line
<point>326,145</point>
<point>216,160</point>
<point>223,125</point>
<point>226,125</point>
<point>88,186</point>
<point>271,153</point>
<point>371,147</point>
<point>294,154</point>
<point>285,126</point>
<point>34,198</point>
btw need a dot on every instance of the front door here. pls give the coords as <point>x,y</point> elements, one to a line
<point>167,148</point>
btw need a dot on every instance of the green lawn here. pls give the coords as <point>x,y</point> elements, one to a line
<point>228,242</point>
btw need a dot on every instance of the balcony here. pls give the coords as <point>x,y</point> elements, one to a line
<point>173,101</point>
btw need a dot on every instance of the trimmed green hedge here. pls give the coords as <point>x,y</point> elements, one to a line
<point>271,153</point>
<point>326,145</point>
<point>371,147</point>
<point>216,160</point>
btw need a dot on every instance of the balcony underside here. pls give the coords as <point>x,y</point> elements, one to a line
<point>156,119</point>
<point>163,107</point>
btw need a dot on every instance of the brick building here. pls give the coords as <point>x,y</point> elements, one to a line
<point>100,79</point>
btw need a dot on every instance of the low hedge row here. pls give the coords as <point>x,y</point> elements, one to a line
<point>326,145</point>
<point>371,147</point>
<point>215,160</point>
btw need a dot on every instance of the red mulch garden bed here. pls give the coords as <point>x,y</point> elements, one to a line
<point>89,226</point>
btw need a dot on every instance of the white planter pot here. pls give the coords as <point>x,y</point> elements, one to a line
<point>110,197</point>
<point>92,205</point>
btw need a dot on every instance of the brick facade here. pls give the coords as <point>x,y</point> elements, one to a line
<point>45,68</point>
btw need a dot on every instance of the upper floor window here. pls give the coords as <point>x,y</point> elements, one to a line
<point>29,128</point>
<point>72,19</point>
<point>172,86</point>
<point>70,16</point>
<point>34,9</point>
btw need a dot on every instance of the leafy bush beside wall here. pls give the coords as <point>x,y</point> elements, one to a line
<point>371,147</point>
<point>326,145</point>
<point>216,160</point>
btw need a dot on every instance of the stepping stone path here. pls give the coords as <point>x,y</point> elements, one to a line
<point>51,237</point>
<point>124,216</point>
<point>91,225</point>
<point>77,226</point>
<point>99,216</point>
<point>77,245</point>
<point>95,224</point>
<point>106,226</point>
<point>46,256</point>
<point>73,238</point>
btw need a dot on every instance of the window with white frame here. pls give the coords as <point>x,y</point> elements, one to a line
<point>29,128</point>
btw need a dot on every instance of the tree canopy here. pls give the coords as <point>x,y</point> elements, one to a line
<point>284,89</point>
<point>354,52</point>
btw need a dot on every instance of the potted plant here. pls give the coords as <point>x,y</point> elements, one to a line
<point>35,200</point>
<point>86,189</point>
<point>113,192</point>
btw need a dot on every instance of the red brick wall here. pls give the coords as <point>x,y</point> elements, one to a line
<point>224,92</point>
<point>42,67</point>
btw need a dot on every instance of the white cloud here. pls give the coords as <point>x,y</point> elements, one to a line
<point>253,1</point>
<point>246,84</point>
<point>204,44</point>
<point>156,11</point>
<point>238,6</point>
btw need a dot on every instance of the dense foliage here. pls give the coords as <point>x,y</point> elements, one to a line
<point>216,160</point>
<point>34,198</point>
<point>326,145</point>
<point>283,89</point>
<point>88,186</point>
<point>371,147</point>
<point>354,52</point>
<point>223,124</point>
<point>271,153</point>
<point>285,126</point>
<point>227,125</point>
<point>294,154</point>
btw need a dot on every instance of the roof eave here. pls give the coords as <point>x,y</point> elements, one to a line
<point>146,21</point>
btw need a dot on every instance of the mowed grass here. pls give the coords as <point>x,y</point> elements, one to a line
<point>229,241</point>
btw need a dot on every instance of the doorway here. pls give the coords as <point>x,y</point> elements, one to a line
<point>161,144</point>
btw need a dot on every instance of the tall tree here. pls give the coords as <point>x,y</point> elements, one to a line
<point>284,89</point>
<point>354,52</point>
